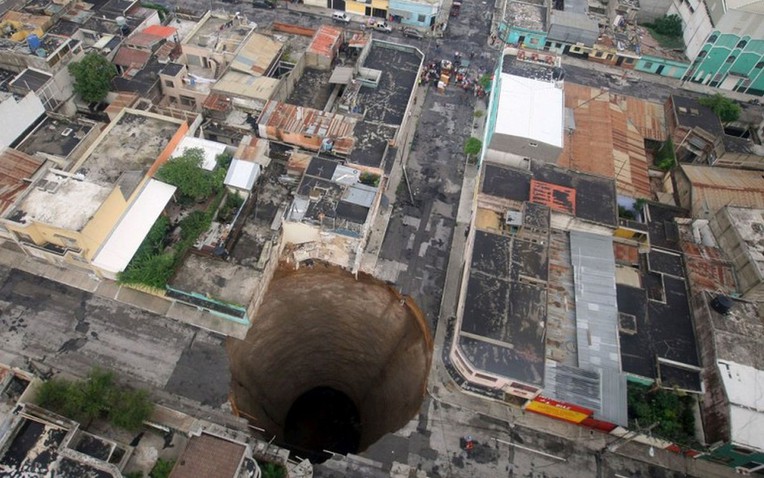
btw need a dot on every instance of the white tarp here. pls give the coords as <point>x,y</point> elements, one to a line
<point>211,150</point>
<point>242,174</point>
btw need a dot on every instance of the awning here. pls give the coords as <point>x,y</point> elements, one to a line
<point>127,236</point>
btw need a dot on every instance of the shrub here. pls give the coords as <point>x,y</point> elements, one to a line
<point>669,25</point>
<point>472,147</point>
<point>370,179</point>
<point>726,109</point>
<point>162,468</point>
<point>186,173</point>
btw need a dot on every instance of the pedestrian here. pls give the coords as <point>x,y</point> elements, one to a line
<point>472,55</point>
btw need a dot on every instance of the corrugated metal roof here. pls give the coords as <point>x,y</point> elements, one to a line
<point>242,174</point>
<point>360,194</point>
<point>713,188</point>
<point>596,306</point>
<point>161,31</point>
<point>15,167</point>
<point>131,57</point>
<point>325,41</point>
<point>257,55</point>
<point>609,137</point>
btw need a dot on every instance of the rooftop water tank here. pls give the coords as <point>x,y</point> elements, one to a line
<point>722,304</point>
<point>33,42</point>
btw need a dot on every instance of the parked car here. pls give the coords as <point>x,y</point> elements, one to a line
<point>263,4</point>
<point>412,33</point>
<point>382,26</point>
<point>340,17</point>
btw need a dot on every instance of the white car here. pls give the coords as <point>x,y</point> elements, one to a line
<point>340,17</point>
<point>382,27</point>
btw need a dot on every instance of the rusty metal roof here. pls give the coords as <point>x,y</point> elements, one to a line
<point>15,168</point>
<point>556,197</point>
<point>713,188</point>
<point>607,140</point>
<point>161,31</point>
<point>207,456</point>
<point>325,41</point>
<point>143,40</point>
<point>131,57</point>
<point>286,118</point>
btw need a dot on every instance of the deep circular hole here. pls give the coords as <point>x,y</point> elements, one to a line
<point>331,362</point>
<point>323,419</point>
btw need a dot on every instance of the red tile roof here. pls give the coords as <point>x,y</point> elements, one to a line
<point>15,167</point>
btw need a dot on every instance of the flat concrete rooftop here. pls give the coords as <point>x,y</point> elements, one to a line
<point>528,14</point>
<point>132,144</point>
<point>55,137</point>
<point>222,33</point>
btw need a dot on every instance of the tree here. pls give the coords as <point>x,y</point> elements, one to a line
<point>472,147</point>
<point>92,77</point>
<point>130,409</point>
<point>726,109</point>
<point>185,172</point>
<point>669,25</point>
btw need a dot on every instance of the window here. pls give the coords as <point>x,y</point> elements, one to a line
<point>702,53</point>
<point>741,44</point>
<point>628,61</point>
<point>730,59</point>
<point>648,64</point>
<point>742,451</point>
<point>760,65</point>
<point>532,144</point>
<point>187,101</point>
<point>169,83</point>
<point>421,18</point>
<point>713,38</point>
<point>66,240</point>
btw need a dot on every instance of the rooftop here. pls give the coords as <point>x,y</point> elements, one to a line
<point>608,136</point>
<point>16,168</point>
<point>502,328</point>
<point>528,14</point>
<point>131,143</point>
<point>210,457</point>
<point>332,196</point>
<point>325,41</point>
<point>536,70</point>
<point>210,150</point>
<point>257,56</point>
<point>530,108</point>
<point>219,33</point>
<point>714,188</point>
<point>749,226</point>
<point>737,334</point>
<point>585,196</point>
<point>744,387</point>
<point>691,114</point>
<point>655,324</point>
<point>29,80</point>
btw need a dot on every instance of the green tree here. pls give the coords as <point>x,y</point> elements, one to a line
<point>185,172</point>
<point>472,147</point>
<point>726,109</point>
<point>130,409</point>
<point>162,468</point>
<point>669,25</point>
<point>272,470</point>
<point>92,77</point>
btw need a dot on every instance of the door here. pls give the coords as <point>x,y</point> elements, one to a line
<point>660,69</point>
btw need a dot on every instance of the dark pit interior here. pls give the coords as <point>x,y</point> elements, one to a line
<point>331,362</point>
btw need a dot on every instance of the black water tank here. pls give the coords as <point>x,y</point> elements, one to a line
<point>722,304</point>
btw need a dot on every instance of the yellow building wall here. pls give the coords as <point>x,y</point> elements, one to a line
<point>380,4</point>
<point>355,7</point>
<point>103,222</point>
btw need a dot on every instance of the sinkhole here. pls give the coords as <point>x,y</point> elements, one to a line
<point>331,362</point>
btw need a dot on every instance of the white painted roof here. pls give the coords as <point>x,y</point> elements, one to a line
<point>530,109</point>
<point>121,245</point>
<point>242,174</point>
<point>744,386</point>
<point>211,150</point>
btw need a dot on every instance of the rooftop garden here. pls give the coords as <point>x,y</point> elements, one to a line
<point>200,200</point>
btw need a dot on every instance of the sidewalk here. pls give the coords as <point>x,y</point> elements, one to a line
<point>11,256</point>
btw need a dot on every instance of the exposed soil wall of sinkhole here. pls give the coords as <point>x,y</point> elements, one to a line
<point>318,331</point>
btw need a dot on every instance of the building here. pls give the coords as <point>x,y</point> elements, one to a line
<point>740,233</point>
<point>416,13</point>
<point>725,43</point>
<point>570,24</point>
<point>82,215</point>
<point>729,335</point>
<point>526,111</point>
<point>332,211</point>
<point>26,113</point>
<point>607,137</point>
<point>696,131</point>
<point>704,190</point>
<point>524,24</point>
